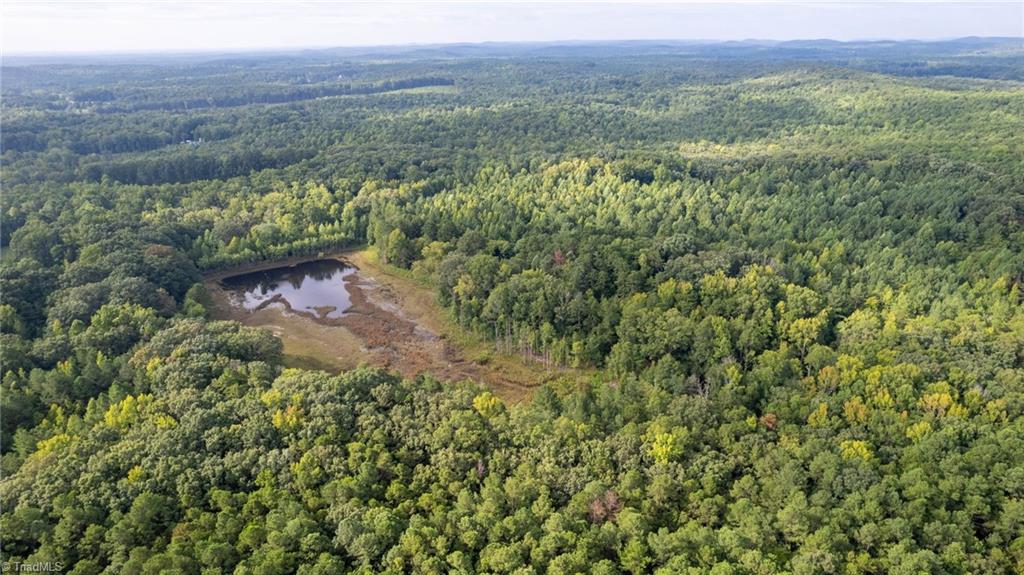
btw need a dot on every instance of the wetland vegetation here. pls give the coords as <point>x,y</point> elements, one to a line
<point>388,319</point>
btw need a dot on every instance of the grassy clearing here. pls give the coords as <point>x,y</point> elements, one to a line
<point>426,90</point>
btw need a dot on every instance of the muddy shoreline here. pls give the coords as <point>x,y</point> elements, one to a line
<point>378,328</point>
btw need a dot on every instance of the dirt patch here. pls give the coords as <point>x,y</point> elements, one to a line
<point>393,322</point>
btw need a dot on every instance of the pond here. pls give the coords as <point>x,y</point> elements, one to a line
<point>315,288</point>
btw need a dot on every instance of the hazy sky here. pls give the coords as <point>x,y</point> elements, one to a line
<point>77,26</point>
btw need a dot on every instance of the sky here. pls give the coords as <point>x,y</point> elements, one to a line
<point>42,26</point>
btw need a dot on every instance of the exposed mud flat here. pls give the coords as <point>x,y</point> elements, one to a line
<point>382,327</point>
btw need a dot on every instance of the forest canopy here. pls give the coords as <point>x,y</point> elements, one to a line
<point>792,274</point>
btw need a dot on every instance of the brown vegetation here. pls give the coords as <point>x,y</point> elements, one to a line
<point>394,322</point>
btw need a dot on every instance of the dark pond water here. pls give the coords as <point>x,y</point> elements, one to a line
<point>316,288</point>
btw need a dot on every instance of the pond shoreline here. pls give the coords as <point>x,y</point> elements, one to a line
<point>392,322</point>
<point>339,255</point>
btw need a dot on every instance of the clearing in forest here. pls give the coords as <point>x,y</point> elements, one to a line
<point>347,309</point>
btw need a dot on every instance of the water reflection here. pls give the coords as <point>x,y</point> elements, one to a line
<point>316,288</point>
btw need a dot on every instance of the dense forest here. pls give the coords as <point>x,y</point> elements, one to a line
<point>793,273</point>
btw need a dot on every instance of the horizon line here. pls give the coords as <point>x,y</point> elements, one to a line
<point>575,41</point>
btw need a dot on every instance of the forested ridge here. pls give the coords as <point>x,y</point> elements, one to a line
<point>792,273</point>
